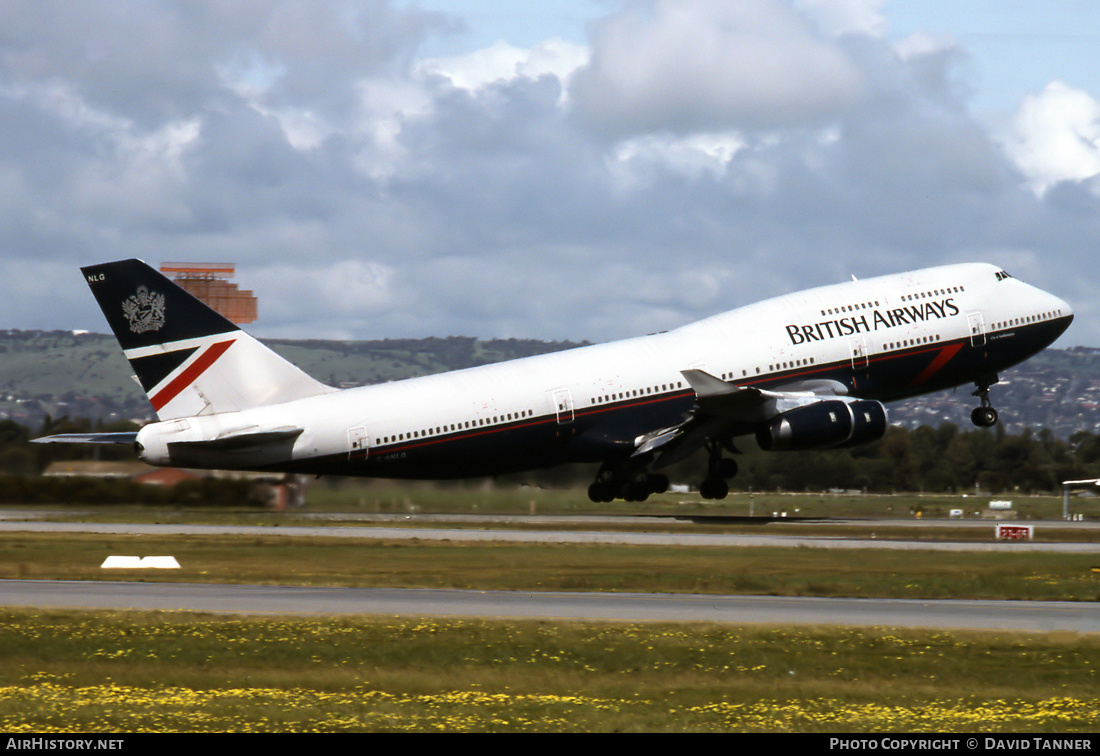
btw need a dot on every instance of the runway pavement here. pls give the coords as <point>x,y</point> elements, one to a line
<point>503,533</point>
<point>1032,616</point>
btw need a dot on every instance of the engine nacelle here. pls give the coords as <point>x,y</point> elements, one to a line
<point>825,425</point>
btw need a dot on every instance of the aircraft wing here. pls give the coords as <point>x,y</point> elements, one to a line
<point>723,409</point>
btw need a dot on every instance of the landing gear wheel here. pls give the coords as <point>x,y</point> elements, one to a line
<point>719,469</point>
<point>714,488</point>
<point>631,483</point>
<point>984,417</point>
<point>601,493</point>
<point>636,490</point>
<point>657,482</point>
<point>726,468</point>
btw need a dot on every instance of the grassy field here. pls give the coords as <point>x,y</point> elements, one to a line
<point>276,559</point>
<point>397,498</point>
<point>167,672</point>
<point>350,497</point>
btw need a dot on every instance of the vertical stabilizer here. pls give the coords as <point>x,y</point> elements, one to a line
<point>189,359</point>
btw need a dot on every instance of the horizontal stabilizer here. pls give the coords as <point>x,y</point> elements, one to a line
<point>88,438</point>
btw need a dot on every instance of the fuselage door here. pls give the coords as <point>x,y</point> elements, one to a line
<point>858,345</point>
<point>976,323</point>
<point>563,406</point>
<point>358,442</point>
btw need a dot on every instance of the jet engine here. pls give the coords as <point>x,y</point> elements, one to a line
<point>824,425</point>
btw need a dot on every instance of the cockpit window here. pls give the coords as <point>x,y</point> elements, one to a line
<point>1002,275</point>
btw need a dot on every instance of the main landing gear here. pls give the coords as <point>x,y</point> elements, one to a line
<point>984,416</point>
<point>630,480</point>
<point>719,470</point>
<point>627,482</point>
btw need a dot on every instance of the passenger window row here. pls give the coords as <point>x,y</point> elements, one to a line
<point>912,342</point>
<point>454,427</point>
<point>933,293</point>
<point>789,364</point>
<point>1026,319</point>
<point>647,391</point>
<point>850,308</point>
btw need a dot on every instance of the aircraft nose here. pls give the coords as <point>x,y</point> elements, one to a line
<point>1062,306</point>
<point>1063,313</point>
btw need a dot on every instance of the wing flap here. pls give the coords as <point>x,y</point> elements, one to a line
<point>723,409</point>
<point>718,398</point>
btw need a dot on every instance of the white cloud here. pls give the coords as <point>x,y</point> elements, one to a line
<point>126,170</point>
<point>922,44</point>
<point>504,62</point>
<point>710,65</point>
<point>637,162</point>
<point>250,76</point>
<point>1055,136</point>
<point>839,17</point>
<point>386,105</point>
<point>346,293</point>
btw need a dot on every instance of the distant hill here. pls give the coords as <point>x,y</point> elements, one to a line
<point>61,373</point>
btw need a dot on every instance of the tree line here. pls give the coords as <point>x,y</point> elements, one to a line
<point>931,460</point>
<point>926,459</point>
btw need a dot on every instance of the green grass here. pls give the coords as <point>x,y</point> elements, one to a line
<point>276,559</point>
<point>399,498</point>
<point>133,672</point>
<point>354,497</point>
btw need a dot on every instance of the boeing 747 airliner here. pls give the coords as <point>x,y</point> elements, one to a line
<point>809,370</point>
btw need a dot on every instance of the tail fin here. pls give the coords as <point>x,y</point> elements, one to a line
<point>189,359</point>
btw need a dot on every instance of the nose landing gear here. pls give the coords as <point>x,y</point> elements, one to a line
<point>984,416</point>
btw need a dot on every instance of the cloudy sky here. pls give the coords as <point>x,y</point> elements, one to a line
<point>581,169</point>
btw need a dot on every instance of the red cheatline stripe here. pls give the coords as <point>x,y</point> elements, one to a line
<point>937,364</point>
<point>190,375</point>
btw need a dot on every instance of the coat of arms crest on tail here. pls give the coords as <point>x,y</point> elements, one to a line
<point>144,310</point>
